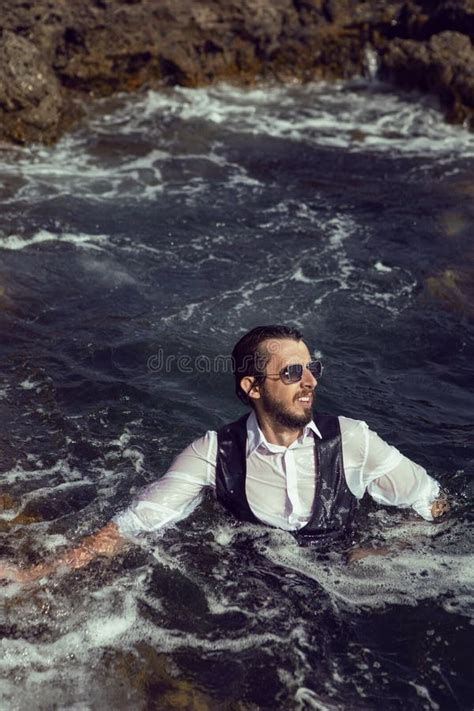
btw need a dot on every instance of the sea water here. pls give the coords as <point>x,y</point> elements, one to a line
<point>152,237</point>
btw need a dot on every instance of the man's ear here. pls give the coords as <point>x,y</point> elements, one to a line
<point>248,386</point>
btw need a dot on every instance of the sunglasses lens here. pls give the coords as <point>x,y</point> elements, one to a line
<point>292,373</point>
<point>315,368</point>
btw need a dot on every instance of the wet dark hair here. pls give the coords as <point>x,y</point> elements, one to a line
<point>249,358</point>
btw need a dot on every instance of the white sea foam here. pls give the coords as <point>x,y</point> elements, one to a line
<point>299,276</point>
<point>63,486</point>
<point>102,627</point>
<point>380,267</point>
<point>423,692</point>
<point>356,115</point>
<point>53,541</point>
<point>403,576</point>
<point>109,617</point>
<point>40,493</point>
<point>28,384</point>
<point>62,468</point>
<point>85,241</point>
<point>307,699</point>
<point>319,272</point>
<point>70,168</point>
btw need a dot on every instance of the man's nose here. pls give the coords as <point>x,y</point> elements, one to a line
<point>308,380</point>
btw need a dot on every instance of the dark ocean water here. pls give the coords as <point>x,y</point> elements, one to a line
<point>160,231</point>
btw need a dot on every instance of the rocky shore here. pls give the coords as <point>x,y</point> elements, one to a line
<point>56,53</point>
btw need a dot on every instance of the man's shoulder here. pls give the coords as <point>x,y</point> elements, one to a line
<point>345,422</point>
<point>351,426</point>
<point>201,446</point>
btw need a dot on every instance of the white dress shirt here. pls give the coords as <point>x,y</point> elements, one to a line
<point>280,480</point>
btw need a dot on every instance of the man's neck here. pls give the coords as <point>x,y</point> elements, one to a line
<point>278,434</point>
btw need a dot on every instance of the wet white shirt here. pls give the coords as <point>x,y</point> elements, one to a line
<point>280,481</point>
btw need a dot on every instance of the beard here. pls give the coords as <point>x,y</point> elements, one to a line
<point>280,413</point>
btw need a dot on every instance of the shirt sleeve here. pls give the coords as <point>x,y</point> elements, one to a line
<point>176,494</point>
<point>386,474</point>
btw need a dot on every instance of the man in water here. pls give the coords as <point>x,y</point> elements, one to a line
<point>281,466</point>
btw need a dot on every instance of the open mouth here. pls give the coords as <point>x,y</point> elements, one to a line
<point>305,399</point>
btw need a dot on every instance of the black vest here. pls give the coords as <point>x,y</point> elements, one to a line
<point>333,505</point>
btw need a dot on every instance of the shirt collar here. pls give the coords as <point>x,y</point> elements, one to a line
<point>255,436</point>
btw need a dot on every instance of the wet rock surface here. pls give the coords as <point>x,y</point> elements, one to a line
<point>52,53</point>
<point>444,65</point>
<point>30,94</point>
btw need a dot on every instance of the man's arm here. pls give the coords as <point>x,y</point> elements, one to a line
<point>166,501</point>
<point>391,479</point>
<point>106,542</point>
<point>174,496</point>
<point>394,480</point>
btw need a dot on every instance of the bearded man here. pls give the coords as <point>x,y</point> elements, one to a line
<point>282,465</point>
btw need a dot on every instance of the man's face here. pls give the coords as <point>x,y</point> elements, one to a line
<point>289,405</point>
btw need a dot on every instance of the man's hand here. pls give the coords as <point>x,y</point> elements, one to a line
<point>106,542</point>
<point>9,571</point>
<point>359,553</point>
<point>439,507</point>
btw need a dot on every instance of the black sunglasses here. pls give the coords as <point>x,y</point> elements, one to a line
<point>293,373</point>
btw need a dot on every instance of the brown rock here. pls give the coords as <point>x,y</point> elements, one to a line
<point>147,673</point>
<point>54,50</point>
<point>30,95</point>
<point>443,65</point>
